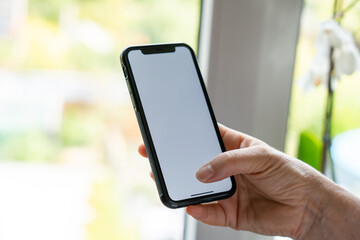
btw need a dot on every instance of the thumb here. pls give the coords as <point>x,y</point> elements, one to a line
<point>249,160</point>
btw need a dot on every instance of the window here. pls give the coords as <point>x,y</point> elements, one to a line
<point>307,108</point>
<point>69,167</point>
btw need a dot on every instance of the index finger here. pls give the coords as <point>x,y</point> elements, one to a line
<point>142,150</point>
<point>234,139</point>
<point>252,160</point>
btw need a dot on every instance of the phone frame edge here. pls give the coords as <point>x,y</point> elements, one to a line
<point>145,132</point>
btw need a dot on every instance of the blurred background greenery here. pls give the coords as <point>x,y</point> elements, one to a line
<point>64,104</point>
<point>89,34</point>
<point>85,36</point>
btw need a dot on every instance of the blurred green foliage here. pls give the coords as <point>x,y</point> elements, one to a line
<point>80,127</point>
<point>60,35</point>
<point>310,150</point>
<point>50,38</point>
<point>48,10</point>
<point>29,146</point>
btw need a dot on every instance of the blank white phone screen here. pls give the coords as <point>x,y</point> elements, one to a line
<point>179,120</point>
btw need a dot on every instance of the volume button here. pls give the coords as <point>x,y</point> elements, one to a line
<point>124,70</point>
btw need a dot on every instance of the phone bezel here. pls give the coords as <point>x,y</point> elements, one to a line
<point>145,132</point>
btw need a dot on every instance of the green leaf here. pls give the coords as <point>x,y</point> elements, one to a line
<point>310,149</point>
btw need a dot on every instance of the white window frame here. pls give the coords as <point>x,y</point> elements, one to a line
<point>247,55</point>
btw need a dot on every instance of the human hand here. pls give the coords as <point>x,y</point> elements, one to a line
<point>276,194</point>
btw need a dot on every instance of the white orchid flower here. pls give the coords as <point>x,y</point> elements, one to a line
<point>346,56</point>
<point>346,60</point>
<point>317,75</point>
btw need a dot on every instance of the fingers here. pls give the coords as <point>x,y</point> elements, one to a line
<point>233,139</point>
<point>249,160</point>
<point>142,150</point>
<point>212,214</point>
<point>222,129</point>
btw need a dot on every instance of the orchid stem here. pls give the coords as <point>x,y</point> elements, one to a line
<point>338,14</point>
<point>350,6</point>
<point>326,155</point>
<point>328,119</point>
<point>335,7</point>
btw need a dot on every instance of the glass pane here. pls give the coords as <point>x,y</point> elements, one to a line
<point>69,167</point>
<point>308,103</point>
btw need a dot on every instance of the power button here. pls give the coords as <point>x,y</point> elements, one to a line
<point>133,102</point>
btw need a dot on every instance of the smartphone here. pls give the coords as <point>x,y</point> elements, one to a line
<point>176,121</point>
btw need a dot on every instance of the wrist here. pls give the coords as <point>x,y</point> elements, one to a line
<point>318,201</point>
<point>333,213</point>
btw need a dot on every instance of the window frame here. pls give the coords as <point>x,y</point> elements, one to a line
<point>227,30</point>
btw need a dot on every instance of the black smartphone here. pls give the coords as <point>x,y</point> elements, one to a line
<point>176,120</point>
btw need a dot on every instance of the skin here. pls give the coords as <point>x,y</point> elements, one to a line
<point>276,194</point>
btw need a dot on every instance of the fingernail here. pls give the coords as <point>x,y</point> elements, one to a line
<point>205,173</point>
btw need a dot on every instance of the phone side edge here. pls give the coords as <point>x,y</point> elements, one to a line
<point>144,129</point>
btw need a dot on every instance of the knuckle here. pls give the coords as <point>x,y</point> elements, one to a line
<point>230,158</point>
<point>264,151</point>
<point>232,162</point>
<point>226,157</point>
<point>226,162</point>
